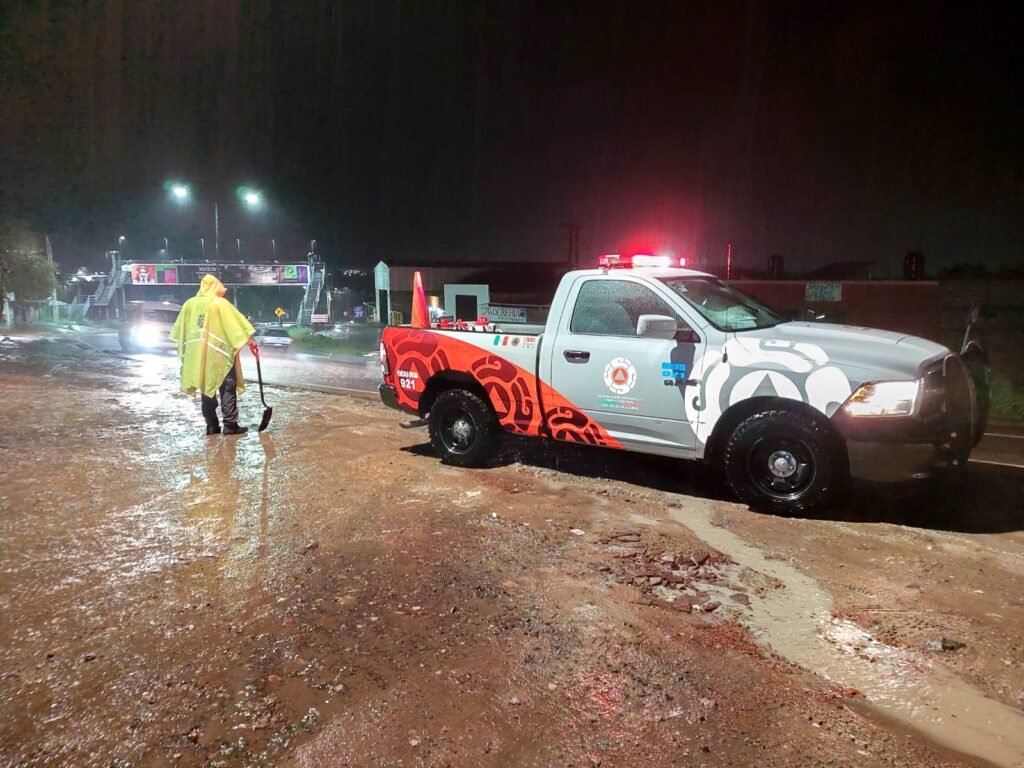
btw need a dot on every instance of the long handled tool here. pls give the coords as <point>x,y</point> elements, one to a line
<point>268,412</point>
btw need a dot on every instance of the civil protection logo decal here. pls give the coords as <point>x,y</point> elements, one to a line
<point>620,376</point>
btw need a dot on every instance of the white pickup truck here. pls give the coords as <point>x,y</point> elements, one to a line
<point>665,360</point>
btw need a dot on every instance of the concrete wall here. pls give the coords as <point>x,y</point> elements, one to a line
<point>909,307</point>
<point>934,310</point>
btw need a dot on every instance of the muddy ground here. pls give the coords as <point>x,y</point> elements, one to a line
<point>328,594</point>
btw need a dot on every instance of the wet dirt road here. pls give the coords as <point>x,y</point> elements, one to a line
<point>327,593</point>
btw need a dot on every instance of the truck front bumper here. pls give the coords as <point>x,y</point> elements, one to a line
<point>880,462</point>
<point>388,396</point>
<point>947,425</point>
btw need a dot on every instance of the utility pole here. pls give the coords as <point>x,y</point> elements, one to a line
<point>53,286</point>
<point>574,244</point>
<point>216,232</point>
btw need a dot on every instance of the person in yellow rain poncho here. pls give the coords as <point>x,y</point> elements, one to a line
<point>210,333</point>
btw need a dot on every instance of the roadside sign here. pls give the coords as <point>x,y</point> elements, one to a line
<point>504,314</point>
<point>318,318</point>
<point>279,312</point>
<point>823,292</point>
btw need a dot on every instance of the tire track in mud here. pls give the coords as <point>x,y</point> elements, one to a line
<point>796,620</point>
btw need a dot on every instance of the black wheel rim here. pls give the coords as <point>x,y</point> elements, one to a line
<point>782,468</point>
<point>458,431</point>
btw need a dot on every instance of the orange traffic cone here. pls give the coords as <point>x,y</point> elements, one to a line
<point>420,315</point>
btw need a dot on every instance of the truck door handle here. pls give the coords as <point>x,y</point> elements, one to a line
<point>576,356</point>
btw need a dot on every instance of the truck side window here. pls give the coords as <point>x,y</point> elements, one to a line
<point>612,308</point>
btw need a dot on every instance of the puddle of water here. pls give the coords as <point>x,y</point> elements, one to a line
<point>796,621</point>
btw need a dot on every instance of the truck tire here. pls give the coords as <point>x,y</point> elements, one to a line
<point>784,462</point>
<point>463,428</point>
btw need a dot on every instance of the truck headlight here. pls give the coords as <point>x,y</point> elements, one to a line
<point>146,335</point>
<point>884,398</point>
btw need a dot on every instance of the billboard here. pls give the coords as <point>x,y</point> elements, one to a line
<point>154,274</point>
<point>229,274</point>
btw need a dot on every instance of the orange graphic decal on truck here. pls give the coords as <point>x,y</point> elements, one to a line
<point>419,355</point>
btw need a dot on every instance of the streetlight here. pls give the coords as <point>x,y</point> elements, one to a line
<point>182,193</point>
<point>251,198</point>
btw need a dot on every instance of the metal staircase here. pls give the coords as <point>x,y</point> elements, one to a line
<point>79,308</point>
<point>312,296</point>
<point>107,287</point>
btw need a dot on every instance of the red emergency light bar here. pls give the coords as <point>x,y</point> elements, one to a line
<point>616,261</point>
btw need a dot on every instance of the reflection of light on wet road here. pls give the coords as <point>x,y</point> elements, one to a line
<point>280,368</point>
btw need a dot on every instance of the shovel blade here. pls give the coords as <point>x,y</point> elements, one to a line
<point>265,421</point>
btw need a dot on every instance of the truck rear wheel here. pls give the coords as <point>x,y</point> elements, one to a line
<point>463,428</point>
<point>784,462</point>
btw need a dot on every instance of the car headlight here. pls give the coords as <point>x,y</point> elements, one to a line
<point>146,335</point>
<point>884,398</point>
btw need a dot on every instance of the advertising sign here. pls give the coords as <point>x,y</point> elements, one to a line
<point>229,274</point>
<point>154,274</point>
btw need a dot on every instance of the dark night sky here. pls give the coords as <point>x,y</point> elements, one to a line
<point>437,129</point>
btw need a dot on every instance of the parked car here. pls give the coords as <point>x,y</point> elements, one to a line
<point>146,326</point>
<point>272,337</point>
<point>647,357</point>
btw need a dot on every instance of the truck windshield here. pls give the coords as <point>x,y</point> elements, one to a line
<point>725,308</point>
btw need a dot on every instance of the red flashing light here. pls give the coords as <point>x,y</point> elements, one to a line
<point>616,261</point>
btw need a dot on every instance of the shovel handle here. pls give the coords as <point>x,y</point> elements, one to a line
<point>259,378</point>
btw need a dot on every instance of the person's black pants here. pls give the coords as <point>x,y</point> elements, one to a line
<point>228,402</point>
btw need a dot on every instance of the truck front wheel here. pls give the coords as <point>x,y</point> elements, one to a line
<point>463,428</point>
<point>784,462</point>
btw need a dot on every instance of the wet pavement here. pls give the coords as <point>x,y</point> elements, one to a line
<point>337,374</point>
<point>326,593</point>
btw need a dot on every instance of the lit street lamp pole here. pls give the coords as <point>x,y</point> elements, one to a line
<point>251,198</point>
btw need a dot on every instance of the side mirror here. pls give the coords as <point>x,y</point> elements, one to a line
<point>656,327</point>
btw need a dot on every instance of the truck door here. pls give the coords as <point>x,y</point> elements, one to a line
<point>634,387</point>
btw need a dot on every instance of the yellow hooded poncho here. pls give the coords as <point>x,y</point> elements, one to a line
<point>210,332</point>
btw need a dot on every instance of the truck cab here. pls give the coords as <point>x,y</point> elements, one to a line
<point>659,359</point>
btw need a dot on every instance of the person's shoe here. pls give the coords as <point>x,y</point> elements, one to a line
<point>213,429</point>
<point>234,429</point>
